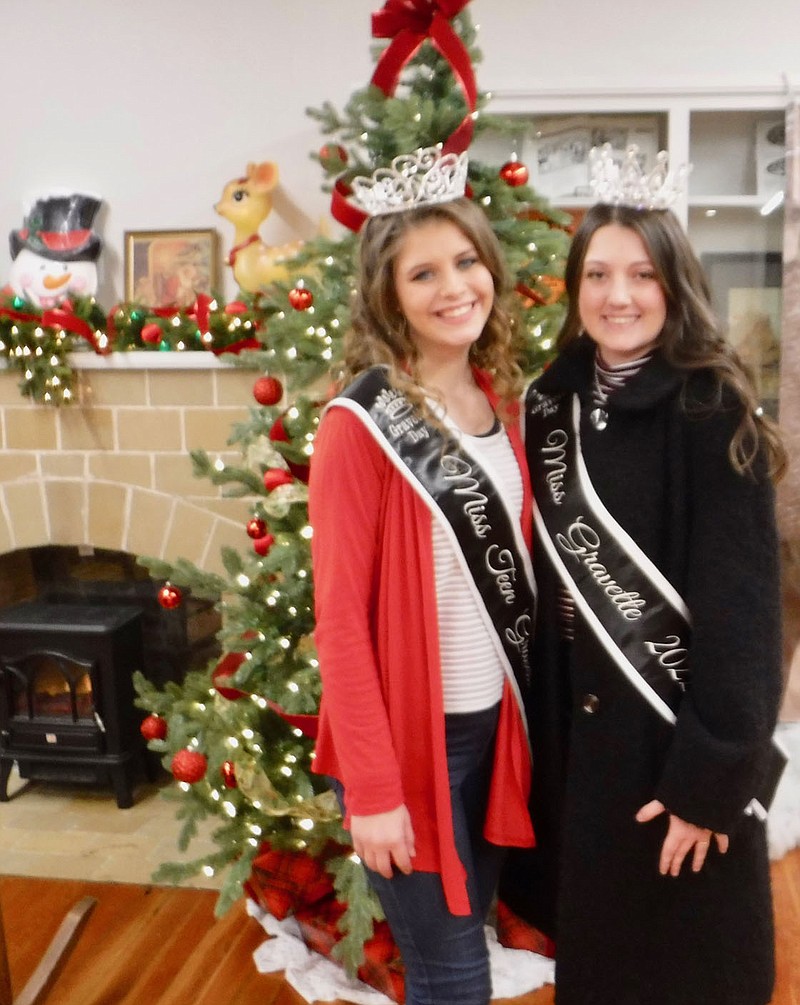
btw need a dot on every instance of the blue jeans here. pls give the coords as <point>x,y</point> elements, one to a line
<point>445,955</point>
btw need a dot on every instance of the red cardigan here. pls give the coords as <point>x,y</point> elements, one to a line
<point>381,727</point>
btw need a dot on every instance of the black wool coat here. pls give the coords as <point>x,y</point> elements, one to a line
<point>625,934</point>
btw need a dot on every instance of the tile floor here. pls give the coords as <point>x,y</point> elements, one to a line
<point>71,832</point>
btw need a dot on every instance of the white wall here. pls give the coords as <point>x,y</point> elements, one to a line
<point>155,104</point>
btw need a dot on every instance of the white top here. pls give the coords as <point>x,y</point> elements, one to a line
<point>472,674</point>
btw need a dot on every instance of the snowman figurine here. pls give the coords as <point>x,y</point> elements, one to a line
<point>55,251</point>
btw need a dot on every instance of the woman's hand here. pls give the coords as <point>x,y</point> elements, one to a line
<point>682,838</point>
<point>384,840</point>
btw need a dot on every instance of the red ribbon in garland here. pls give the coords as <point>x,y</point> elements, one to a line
<point>200,312</point>
<point>408,23</point>
<point>237,347</point>
<point>11,314</point>
<point>64,317</point>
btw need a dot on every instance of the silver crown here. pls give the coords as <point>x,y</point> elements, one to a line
<point>626,183</point>
<point>423,178</point>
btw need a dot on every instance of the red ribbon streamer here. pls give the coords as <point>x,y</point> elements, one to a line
<point>307,724</point>
<point>409,23</point>
<point>61,317</point>
<point>11,314</point>
<point>525,291</point>
<point>200,312</point>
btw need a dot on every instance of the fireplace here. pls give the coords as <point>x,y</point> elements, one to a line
<point>66,695</point>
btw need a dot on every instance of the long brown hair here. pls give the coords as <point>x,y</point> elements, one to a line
<point>692,337</point>
<point>379,332</point>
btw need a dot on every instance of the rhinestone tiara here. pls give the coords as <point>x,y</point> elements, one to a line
<point>626,183</point>
<point>423,178</point>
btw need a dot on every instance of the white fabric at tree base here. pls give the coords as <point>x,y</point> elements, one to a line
<point>514,971</point>
<point>318,979</point>
<point>783,822</point>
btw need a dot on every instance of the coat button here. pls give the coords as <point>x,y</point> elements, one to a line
<point>590,703</point>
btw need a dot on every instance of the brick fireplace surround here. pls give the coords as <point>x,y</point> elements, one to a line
<point>112,469</point>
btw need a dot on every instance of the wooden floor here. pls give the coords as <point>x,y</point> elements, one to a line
<point>148,945</point>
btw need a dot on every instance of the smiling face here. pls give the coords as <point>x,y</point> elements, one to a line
<point>620,301</point>
<point>47,283</point>
<point>443,289</point>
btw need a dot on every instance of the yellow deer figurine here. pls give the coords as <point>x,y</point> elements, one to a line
<point>246,202</point>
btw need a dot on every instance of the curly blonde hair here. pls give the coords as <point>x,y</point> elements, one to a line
<point>379,332</point>
<point>692,337</point>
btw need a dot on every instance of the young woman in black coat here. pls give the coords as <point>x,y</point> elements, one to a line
<point>657,650</point>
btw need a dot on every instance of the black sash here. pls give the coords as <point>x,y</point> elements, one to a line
<point>463,498</point>
<point>637,615</point>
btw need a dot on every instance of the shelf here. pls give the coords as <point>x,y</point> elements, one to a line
<point>728,201</point>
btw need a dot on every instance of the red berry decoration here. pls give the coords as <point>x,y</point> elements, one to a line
<point>256,528</point>
<point>151,333</point>
<point>228,772</point>
<point>261,545</point>
<point>273,477</point>
<point>169,597</point>
<point>334,153</point>
<point>300,298</point>
<point>153,727</point>
<point>189,766</point>
<point>514,173</point>
<point>225,669</point>
<point>268,390</point>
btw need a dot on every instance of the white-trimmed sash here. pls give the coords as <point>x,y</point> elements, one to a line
<point>487,539</point>
<point>636,614</point>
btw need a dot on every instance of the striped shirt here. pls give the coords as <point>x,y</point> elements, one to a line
<point>472,673</point>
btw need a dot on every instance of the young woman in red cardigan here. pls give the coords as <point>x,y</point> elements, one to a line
<point>421,511</point>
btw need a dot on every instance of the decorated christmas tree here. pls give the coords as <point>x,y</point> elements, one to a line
<point>238,736</point>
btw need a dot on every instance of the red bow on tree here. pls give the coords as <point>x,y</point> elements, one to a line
<point>408,23</point>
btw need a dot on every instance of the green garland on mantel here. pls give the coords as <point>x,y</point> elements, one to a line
<point>37,342</point>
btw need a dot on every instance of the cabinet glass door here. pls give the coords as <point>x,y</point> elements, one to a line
<point>735,223</point>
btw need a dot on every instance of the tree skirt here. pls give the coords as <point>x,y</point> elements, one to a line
<point>783,823</point>
<point>514,971</point>
<point>316,978</point>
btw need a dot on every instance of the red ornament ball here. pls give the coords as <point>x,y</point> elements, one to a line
<point>256,528</point>
<point>151,333</point>
<point>262,545</point>
<point>333,152</point>
<point>236,307</point>
<point>300,298</point>
<point>268,390</point>
<point>169,597</point>
<point>228,772</point>
<point>514,173</point>
<point>153,727</point>
<point>225,669</point>
<point>189,766</point>
<point>273,477</point>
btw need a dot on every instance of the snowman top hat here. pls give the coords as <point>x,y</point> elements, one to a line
<point>59,227</point>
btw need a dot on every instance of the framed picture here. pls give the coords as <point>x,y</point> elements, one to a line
<point>746,290</point>
<point>168,268</point>
<point>558,150</point>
